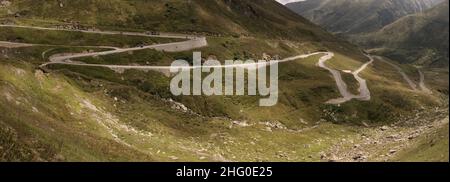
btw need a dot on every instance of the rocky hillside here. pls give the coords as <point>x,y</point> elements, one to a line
<point>354,17</point>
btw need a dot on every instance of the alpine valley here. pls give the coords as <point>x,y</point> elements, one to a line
<point>88,80</point>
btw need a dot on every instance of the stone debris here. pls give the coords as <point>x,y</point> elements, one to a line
<point>384,128</point>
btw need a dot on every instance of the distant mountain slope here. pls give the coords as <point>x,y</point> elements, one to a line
<point>85,113</point>
<point>362,16</point>
<point>238,18</point>
<point>421,38</point>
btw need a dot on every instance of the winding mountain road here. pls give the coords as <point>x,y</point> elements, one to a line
<point>416,87</point>
<point>105,32</point>
<point>192,42</point>
<point>422,85</point>
<point>411,84</point>
<point>364,93</point>
<point>168,47</point>
<point>14,44</point>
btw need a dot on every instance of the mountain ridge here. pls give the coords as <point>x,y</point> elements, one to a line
<point>349,17</point>
<point>90,109</point>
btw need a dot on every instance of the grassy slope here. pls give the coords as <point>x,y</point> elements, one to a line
<point>430,148</point>
<point>140,108</point>
<point>46,116</point>
<point>400,30</point>
<point>68,121</point>
<point>421,38</point>
<point>222,17</point>
<point>75,38</point>
<point>354,17</point>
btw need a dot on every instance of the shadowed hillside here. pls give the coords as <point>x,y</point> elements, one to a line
<point>420,38</point>
<point>354,17</point>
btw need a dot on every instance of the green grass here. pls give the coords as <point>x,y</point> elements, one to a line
<point>40,54</point>
<point>439,81</point>
<point>141,57</point>
<point>352,83</point>
<point>67,38</point>
<point>424,43</point>
<point>304,87</point>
